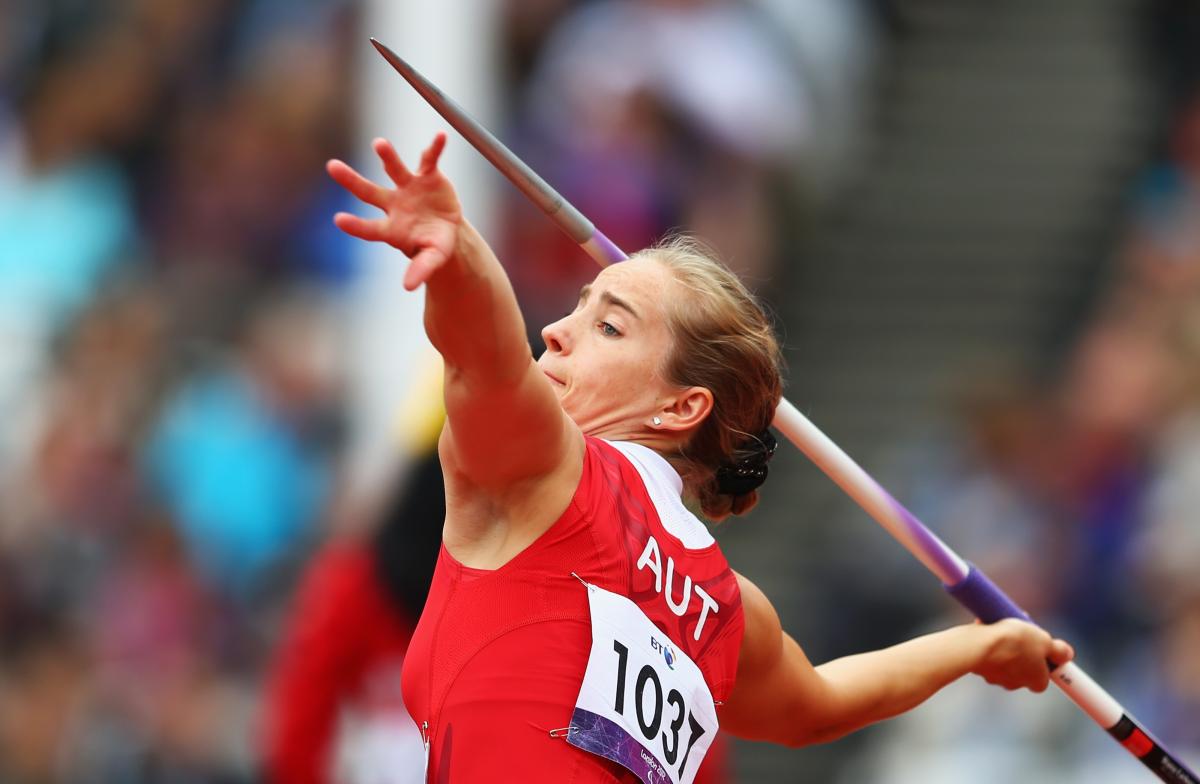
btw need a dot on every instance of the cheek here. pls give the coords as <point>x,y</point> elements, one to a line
<point>619,372</point>
<point>629,378</point>
<point>605,378</point>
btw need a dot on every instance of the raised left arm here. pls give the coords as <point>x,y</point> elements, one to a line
<point>494,392</point>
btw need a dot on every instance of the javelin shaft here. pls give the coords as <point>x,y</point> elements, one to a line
<point>537,190</point>
<point>962,580</point>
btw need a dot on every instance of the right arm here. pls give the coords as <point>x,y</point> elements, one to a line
<point>781,697</point>
<point>494,391</point>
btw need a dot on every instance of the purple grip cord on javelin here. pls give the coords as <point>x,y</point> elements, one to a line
<point>985,601</point>
<point>608,247</point>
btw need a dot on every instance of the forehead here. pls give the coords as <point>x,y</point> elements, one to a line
<point>640,281</point>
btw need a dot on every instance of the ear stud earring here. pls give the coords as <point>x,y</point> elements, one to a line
<point>656,421</point>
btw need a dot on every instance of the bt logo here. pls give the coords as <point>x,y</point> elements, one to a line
<point>669,655</point>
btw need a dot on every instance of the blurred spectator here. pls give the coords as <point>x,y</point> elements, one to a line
<point>238,455</point>
<point>243,182</point>
<point>651,115</point>
<point>334,711</point>
<point>54,175</point>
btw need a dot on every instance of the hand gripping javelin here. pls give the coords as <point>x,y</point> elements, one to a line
<point>962,580</point>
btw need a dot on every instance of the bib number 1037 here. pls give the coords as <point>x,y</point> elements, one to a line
<point>659,717</point>
<point>643,703</point>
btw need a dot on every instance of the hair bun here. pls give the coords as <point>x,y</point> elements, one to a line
<point>747,474</point>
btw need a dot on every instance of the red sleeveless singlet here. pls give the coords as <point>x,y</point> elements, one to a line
<point>497,659</point>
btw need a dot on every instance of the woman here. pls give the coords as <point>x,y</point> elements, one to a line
<point>582,624</point>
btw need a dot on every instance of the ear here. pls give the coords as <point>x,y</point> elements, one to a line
<point>687,409</point>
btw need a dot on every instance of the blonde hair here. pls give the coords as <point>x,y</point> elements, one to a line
<point>724,342</point>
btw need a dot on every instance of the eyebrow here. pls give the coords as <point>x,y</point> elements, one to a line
<point>610,298</point>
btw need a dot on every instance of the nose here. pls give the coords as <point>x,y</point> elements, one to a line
<point>557,337</point>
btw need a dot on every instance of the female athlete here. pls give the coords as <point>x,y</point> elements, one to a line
<point>582,624</point>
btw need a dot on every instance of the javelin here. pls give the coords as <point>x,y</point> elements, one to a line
<point>962,580</point>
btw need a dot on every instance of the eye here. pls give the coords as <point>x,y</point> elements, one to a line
<point>608,330</point>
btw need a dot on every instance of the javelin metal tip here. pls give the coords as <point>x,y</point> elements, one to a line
<point>569,219</point>
<point>389,55</point>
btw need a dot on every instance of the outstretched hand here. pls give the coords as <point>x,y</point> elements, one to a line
<point>422,213</point>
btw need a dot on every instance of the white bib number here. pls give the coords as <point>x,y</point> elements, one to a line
<point>643,703</point>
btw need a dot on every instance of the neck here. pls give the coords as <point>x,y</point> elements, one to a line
<point>666,444</point>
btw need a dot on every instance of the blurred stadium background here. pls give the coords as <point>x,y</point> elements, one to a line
<point>978,224</point>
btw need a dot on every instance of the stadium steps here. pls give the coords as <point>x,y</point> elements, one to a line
<point>1005,139</point>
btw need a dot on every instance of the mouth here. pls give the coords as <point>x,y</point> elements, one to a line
<point>554,379</point>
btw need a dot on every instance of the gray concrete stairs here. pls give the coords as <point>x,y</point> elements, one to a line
<point>1005,140</point>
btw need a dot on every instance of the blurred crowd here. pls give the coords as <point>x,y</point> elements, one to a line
<point>169,383</point>
<point>172,379</point>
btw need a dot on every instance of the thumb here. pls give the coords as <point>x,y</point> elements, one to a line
<point>1061,652</point>
<point>422,267</point>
